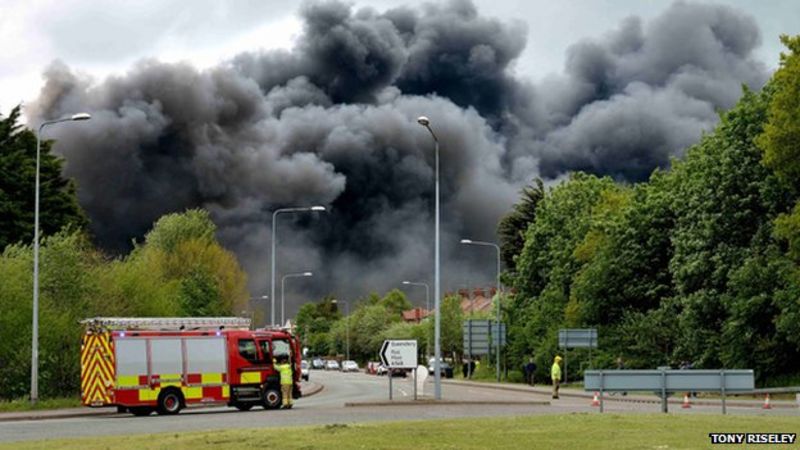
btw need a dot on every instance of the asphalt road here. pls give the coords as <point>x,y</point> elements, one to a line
<point>327,407</point>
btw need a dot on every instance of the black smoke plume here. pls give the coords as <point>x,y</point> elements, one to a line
<point>333,122</point>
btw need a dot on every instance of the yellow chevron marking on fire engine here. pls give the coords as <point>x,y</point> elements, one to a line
<point>211,378</point>
<point>250,377</point>
<point>97,368</point>
<point>226,391</point>
<point>191,393</point>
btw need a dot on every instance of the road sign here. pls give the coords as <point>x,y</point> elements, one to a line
<point>481,336</point>
<point>399,354</point>
<point>577,338</point>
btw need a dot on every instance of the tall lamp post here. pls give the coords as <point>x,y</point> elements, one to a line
<point>499,289</point>
<point>252,313</point>
<point>283,286</point>
<point>272,266</point>
<point>427,292</point>
<point>437,289</point>
<point>427,307</point>
<point>347,327</point>
<point>35,334</point>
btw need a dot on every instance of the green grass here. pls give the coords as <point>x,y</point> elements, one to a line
<point>47,403</point>
<point>579,431</point>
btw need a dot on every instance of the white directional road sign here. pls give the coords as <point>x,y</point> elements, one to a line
<point>399,354</point>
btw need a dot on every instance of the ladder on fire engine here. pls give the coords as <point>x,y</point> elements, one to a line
<point>167,323</point>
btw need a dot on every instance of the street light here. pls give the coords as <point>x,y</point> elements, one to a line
<point>427,292</point>
<point>35,334</point>
<point>272,266</point>
<point>499,288</point>
<point>346,328</point>
<point>437,290</point>
<point>283,282</point>
<point>252,314</point>
<point>427,308</point>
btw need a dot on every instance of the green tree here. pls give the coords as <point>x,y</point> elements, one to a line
<point>511,229</point>
<point>451,326</point>
<point>314,321</point>
<point>781,137</point>
<point>173,229</point>
<point>396,302</point>
<point>58,202</point>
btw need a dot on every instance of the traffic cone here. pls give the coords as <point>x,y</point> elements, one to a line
<point>595,400</point>
<point>766,403</point>
<point>686,403</point>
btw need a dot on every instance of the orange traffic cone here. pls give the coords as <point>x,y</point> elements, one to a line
<point>595,400</point>
<point>766,403</point>
<point>686,403</point>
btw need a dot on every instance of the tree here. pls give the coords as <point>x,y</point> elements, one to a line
<point>511,229</point>
<point>781,137</point>
<point>313,323</point>
<point>58,201</point>
<point>451,327</point>
<point>182,247</point>
<point>172,229</point>
<point>396,302</point>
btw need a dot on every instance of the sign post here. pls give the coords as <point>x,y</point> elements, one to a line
<point>480,336</point>
<point>400,354</point>
<point>576,338</point>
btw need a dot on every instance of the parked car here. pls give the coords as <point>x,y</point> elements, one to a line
<point>372,368</point>
<point>349,366</point>
<point>383,370</point>
<point>304,369</point>
<point>317,363</point>
<point>331,364</point>
<point>444,368</point>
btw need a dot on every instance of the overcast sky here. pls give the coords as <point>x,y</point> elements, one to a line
<point>105,37</point>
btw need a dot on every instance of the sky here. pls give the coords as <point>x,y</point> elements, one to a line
<point>246,106</point>
<point>101,38</point>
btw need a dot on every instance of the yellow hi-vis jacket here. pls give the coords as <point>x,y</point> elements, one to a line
<point>286,373</point>
<point>555,372</point>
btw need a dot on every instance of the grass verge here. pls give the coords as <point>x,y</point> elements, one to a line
<point>579,431</point>
<point>47,403</point>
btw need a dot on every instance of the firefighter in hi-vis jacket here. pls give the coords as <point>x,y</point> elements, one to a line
<point>285,369</point>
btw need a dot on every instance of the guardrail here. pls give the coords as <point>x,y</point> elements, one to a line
<point>665,381</point>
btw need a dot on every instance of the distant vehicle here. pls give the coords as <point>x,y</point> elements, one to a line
<point>372,368</point>
<point>317,363</point>
<point>349,366</point>
<point>304,369</point>
<point>444,368</point>
<point>383,370</point>
<point>331,364</point>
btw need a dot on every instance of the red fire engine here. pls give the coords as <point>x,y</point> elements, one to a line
<point>143,365</point>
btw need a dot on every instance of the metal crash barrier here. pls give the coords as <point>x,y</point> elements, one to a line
<point>663,382</point>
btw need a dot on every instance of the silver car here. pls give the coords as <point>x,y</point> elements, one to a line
<point>349,366</point>
<point>331,364</point>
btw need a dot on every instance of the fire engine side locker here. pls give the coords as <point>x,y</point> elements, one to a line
<point>196,365</point>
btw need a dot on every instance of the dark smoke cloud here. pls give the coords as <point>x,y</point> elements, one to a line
<point>333,122</point>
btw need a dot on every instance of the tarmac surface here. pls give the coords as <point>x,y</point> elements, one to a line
<point>349,398</point>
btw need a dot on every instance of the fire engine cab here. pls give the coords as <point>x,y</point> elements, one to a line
<point>143,365</point>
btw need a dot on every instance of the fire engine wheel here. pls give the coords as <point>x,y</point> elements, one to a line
<point>272,398</point>
<point>170,402</point>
